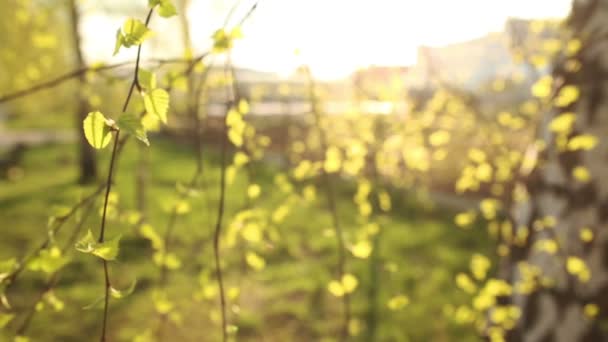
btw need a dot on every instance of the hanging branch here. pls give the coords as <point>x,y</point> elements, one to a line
<point>108,285</point>
<point>171,223</point>
<point>59,222</point>
<point>230,102</point>
<point>54,277</point>
<point>220,216</point>
<point>331,201</point>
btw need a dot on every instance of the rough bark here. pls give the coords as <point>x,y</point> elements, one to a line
<point>556,312</point>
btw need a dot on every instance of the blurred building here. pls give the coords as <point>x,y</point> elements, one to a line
<point>473,64</point>
<point>380,82</point>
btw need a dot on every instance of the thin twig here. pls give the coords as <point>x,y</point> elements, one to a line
<point>193,102</point>
<point>134,83</point>
<point>101,238</point>
<point>94,68</point>
<point>332,206</point>
<point>220,212</point>
<point>58,80</point>
<point>12,277</point>
<point>54,277</point>
<point>218,224</point>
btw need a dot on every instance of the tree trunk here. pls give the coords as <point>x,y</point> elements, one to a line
<point>86,154</point>
<point>559,308</point>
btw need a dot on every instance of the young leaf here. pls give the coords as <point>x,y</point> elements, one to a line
<point>5,318</point>
<point>148,232</point>
<point>362,249</point>
<point>134,32</point>
<point>582,142</point>
<point>56,303</point>
<point>161,302</point>
<point>86,244</point>
<point>132,125</point>
<point>107,250</point>
<point>123,293</point>
<point>157,102</point>
<point>398,302</point>
<point>236,33</point>
<point>255,261</point>
<point>147,79</point>
<point>168,260</point>
<point>253,191</point>
<point>150,122</point>
<point>221,41</point>
<point>349,283</point>
<point>96,130</point>
<point>48,260</point>
<point>166,9</point>
<point>119,41</point>
<point>335,288</point>
<point>243,106</point>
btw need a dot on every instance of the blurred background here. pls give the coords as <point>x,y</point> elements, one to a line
<point>399,170</point>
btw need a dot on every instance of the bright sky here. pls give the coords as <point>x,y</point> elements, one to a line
<point>334,36</point>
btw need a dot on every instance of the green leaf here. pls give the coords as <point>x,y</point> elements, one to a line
<point>255,261</point>
<point>398,302</point>
<point>123,293</point>
<point>221,41</point>
<point>236,33</point>
<point>119,42</point>
<point>3,299</point>
<point>582,142</point>
<point>567,95</point>
<point>186,190</point>
<point>349,282</point>
<point>235,137</point>
<point>168,260</point>
<point>147,79</point>
<point>87,243</point>
<point>107,250</point>
<point>48,260</point>
<point>362,249</point>
<point>134,32</point>
<point>5,318</point>
<point>166,9</point>
<point>161,302</point>
<point>148,232</point>
<point>563,123</point>
<point>132,125</point>
<point>243,106</point>
<point>56,303</point>
<point>96,130</point>
<point>157,102</point>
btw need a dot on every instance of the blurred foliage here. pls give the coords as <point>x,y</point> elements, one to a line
<point>415,270</point>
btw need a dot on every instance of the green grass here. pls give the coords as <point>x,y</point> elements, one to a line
<point>418,254</point>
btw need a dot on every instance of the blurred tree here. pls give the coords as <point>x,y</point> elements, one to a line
<point>87,161</point>
<point>561,201</point>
